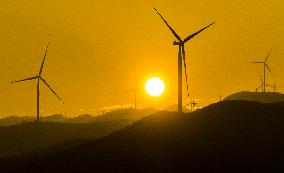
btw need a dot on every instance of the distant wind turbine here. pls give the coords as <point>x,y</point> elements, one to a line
<point>274,87</point>
<point>261,85</point>
<point>39,77</point>
<point>265,66</point>
<point>193,105</point>
<point>135,96</point>
<point>181,57</point>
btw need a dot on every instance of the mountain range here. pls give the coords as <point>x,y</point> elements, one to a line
<point>228,136</point>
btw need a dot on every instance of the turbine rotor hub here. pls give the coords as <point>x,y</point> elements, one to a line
<point>178,43</point>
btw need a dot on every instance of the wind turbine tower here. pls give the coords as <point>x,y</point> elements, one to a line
<point>39,78</point>
<point>265,66</point>
<point>261,85</point>
<point>181,57</point>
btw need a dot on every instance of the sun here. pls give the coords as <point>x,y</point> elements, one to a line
<point>155,86</point>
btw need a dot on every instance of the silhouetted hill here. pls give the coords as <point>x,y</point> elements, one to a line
<point>34,136</point>
<point>267,97</point>
<point>121,114</point>
<point>174,108</point>
<point>126,114</point>
<point>85,118</point>
<point>14,120</point>
<point>58,118</point>
<point>230,136</point>
<point>29,136</point>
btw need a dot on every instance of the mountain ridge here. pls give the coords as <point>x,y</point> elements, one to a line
<point>267,97</point>
<point>225,136</point>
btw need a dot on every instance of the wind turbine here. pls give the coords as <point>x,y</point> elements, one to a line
<point>39,78</point>
<point>193,105</point>
<point>181,57</point>
<point>265,66</point>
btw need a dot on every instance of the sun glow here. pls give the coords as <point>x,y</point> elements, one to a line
<point>155,86</point>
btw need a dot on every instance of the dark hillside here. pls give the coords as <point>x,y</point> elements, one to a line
<point>34,136</point>
<point>231,136</point>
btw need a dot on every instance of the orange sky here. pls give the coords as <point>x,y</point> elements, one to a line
<point>100,48</point>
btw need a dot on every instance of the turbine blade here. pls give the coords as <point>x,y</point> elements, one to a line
<point>185,69</point>
<point>261,80</point>
<point>30,78</point>
<point>268,68</point>
<point>196,33</point>
<point>258,62</point>
<point>259,87</point>
<point>172,30</point>
<point>41,67</point>
<point>51,89</point>
<point>268,55</point>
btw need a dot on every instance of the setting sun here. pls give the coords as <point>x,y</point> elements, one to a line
<point>155,86</point>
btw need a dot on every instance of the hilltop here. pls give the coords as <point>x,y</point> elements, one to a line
<point>267,97</point>
<point>120,114</point>
<point>230,136</point>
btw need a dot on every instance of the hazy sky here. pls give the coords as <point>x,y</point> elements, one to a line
<point>100,48</point>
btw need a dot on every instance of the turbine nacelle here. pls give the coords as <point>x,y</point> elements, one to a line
<point>179,43</point>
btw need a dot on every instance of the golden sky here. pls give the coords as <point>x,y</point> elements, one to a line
<point>100,48</point>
